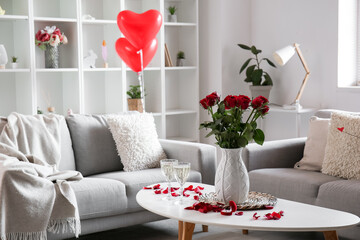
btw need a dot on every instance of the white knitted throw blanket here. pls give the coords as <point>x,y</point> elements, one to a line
<point>34,196</point>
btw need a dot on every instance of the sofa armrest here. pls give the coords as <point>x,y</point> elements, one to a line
<point>274,154</point>
<point>201,156</point>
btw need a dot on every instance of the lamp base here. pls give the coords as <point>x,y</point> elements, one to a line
<point>294,106</point>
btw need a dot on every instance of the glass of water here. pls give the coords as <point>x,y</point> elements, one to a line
<point>182,171</point>
<point>167,169</point>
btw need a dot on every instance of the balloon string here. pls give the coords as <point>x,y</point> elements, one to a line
<point>141,79</point>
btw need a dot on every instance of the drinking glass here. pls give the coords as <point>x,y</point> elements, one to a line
<point>182,171</point>
<point>167,169</point>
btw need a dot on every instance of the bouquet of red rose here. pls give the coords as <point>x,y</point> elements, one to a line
<point>50,36</point>
<point>228,125</point>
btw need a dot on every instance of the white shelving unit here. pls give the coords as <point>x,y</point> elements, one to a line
<point>172,93</point>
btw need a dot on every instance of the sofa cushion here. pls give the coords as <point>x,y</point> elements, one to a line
<point>94,146</point>
<point>67,161</point>
<point>99,197</point>
<point>3,122</point>
<point>289,183</point>
<point>135,181</point>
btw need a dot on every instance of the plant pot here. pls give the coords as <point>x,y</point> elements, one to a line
<point>14,65</point>
<point>180,62</point>
<point>135,105</point>
<point>232,179</point>
<point>172,18</point>
<point>260,91</point>
<point>51,56</point>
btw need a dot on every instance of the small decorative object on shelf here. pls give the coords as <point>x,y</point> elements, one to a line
<point>3,57</point>
<point>168,62</point>
<point>39,111</point>
<point>172,16</point>
<point>135,100</point>
<point>51,109</point>
<point>49,39</point>
<point>14,63</point>
<point>180,57</point>
<point>232,134</point>
<point>2,11</point>
<point>70,112</point>
<point>90,59</point>
<point>104,53</point>
<point>261,80</point>
<point>88,17</point>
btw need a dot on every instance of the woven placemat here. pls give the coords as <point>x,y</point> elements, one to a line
<point>256,200</point>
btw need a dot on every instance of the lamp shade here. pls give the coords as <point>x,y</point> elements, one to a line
<point>283,55</point>
<point>3,56</point>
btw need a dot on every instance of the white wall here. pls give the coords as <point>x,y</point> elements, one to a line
<point>270,25</point>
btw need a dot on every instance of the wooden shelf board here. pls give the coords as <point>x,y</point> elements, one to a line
<point>46,70</point>
<point>51,19</point>
<point>13,17</point>
<point>102,69</point>
<point>180,24</point>
<point>10,70</point>
<point>98,21</point>
<point>179,112</point>
<point>181,68</point>
<point>156,114</point>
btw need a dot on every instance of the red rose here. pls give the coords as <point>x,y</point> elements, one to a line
<point>243,101</point>
<point>204,103</point>
<point>38,34</point>
<point>264,110</point>
<point>259,101</point>
<point>57,32</point>
<point>230,101</point>
<point>212,99</point>
<point>44,37</point>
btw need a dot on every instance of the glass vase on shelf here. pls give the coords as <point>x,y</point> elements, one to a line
<point>51,56</point>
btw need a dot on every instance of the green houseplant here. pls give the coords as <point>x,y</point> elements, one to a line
<point>14,63</point>
<point>255,74</point>
<point>134,98</point>
<point>180,59</point>
<point>172,11</point>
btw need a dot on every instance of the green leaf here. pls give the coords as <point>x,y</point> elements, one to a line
<point>256,77</point>
<point>243,46</point>
<point>242,142</point>
<point>268,80</point>
<point>250,70</point>
<point>221,108</point>
<point>246,63</point>
<point>248,80</point>
<point>254,50</point>
<point>270,62</point>
<point>259,136</point>
<point>248,134</point>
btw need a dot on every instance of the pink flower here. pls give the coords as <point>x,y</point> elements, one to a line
<point>55,40</point>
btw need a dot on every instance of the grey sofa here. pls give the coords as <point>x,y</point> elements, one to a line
<point>106,195</point>
<point>271,169</point>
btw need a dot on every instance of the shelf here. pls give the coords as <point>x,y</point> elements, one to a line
<point>182,139</point>
<point>51,19</point>
<point>13,17</point>
<point>179,24</point>
<point>47,70</point>
<point>146,69</point>
<point>181,68</point>
<point>156,114</point>
<point>15,70</point>
<point>179,111</point>
<point>102,69</point>
<point>99,22</point>
<point>280,109</point>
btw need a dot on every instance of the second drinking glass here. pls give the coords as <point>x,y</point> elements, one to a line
<point>182,171</point>
<point>167,169</point>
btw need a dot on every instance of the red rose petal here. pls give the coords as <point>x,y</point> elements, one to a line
<point>268,216</point>
<point>197,190</point>
<point>174,194</point>
<point>255,216</point>
<point>165,191</point>
<point>157,186</point>
<point>201,188</point>
<point>196,197</point>
<point>186,195</point>
<point>189,208</point>
<point>174,188</point>
<point>239,213</point>
<point>157,191</point>
<point>276,216</point>
<point>226,212</point>
<point>189,188</point>
<point>281,213</point>
<point>203,210</point>
<point>268,207</point>
<point>233,206</point>
<point>147,188</point>
<point>341,129</point>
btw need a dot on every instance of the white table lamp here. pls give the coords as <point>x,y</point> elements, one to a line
<point>3,57</point>
<point>282,56</point>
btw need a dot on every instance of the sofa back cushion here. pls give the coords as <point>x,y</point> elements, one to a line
<point>3,122</point>
<point>93,144</point>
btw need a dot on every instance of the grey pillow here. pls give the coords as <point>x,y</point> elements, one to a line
<point>93,144</point>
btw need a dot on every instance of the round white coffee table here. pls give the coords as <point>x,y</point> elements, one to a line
<point>298,217</point>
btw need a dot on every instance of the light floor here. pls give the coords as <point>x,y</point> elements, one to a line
<point>167,230</point>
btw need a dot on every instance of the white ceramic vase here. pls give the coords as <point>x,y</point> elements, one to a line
<point>232,179</point>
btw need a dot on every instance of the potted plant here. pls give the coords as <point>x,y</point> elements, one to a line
<point>180,57</point>
<point>134,100</point>
<point>172,16</point>
<point>261,80</point>
<point>14,62</point>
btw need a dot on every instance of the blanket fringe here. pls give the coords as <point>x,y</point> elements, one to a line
<point>24,236</point>
<point>71,225</point>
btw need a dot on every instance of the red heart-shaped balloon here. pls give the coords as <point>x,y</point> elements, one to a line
<point>139,29</point>
<point>129,54</point>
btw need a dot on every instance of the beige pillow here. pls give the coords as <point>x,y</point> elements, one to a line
<point>136,140</point>
<point>342,152</point>
<point>315,144</point>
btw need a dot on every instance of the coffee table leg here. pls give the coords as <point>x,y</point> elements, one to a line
<point>185,230</point>
<point>180,232</point>
<point>330,235</point>
<point>205,228</point>
<point>245,232</point>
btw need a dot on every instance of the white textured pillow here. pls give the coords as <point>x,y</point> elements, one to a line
<point>315,144</point>
<point>136,141</point>
<point>342,152</point>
